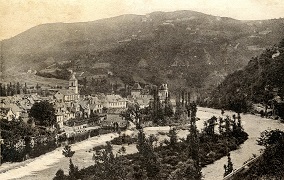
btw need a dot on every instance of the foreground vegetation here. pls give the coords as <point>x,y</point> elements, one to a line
<point>172,159</point>
<point>23,141</point>
<point>270,164</point>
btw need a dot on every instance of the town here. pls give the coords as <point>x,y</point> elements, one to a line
<point>108,90</point>
<point>75,113</point>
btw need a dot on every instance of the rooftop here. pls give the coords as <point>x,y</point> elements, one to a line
<point>136,86</point>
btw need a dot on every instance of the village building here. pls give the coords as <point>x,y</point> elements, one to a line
<point>7,113</point>
<point>136,90</point>
<point>96,105</point>
<point>9,110</point>
<point>112,120</point>
<point>66,102</point>
<point>163,92</point>
<point>71,94</point>
<point>143,96</point>
<point>114,101</point>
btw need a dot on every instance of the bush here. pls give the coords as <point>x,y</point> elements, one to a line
<point>123,139</point>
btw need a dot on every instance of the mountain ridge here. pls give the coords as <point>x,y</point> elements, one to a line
<point>188,38</point>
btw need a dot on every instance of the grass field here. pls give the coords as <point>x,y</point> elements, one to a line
<point>32,80</point>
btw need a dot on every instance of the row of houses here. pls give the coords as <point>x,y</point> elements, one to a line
<point>69,104</point>
<point>17,106</point>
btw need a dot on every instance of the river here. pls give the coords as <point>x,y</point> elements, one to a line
<point>45,166</point>
<point>253,125</point>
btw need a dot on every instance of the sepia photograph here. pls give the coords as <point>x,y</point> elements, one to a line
<point>141,90</point>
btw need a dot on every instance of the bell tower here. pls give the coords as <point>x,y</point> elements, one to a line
<point>73,84</point>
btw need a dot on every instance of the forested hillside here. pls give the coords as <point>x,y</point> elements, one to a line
<point>261,81</point>
<point>182,48</point>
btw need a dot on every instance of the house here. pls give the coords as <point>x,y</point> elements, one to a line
<point>115,101</point>
<point>59,119</point>
<point>81,64</point>
<point>15,109</point>
<point>143,102</point>
<point>10,110</point>
<point>66,95</point>
<point>7,113</point>
<point>96,105</point>
<point>136,90</point>
<point>91,104</point>
<point>85,108</point>
<point>25,104</point>
<point>71,94</point>
<point>113,119</point>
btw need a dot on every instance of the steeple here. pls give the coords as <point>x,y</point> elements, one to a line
<point>73,83</point>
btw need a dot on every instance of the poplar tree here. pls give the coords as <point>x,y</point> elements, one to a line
<point>229,167</point>
<point>194,141</point>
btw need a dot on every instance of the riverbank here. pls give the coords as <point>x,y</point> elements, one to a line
<point>253,125</point>
<point>47,165</point>
<point>33,167</point>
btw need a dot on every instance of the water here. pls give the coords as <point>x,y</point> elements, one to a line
<point>45,166</point>
<point>253,125</point>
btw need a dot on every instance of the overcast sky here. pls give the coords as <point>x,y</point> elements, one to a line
<point>17,16</point>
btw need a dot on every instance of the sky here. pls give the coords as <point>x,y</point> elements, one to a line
<point>17,16</point>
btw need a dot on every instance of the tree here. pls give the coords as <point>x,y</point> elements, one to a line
<point>94,118</point>
<point>73,170</point>
<point>220,127</point>
<point>44,113</point>
<point>4,90</point>
<point>107,166</point>
<point>59,175</point>
<point>67,151</point>
<point>227,125</point>
<point>173,137</point>
<point>139,173</point>
<point>270,137</point>
<point>210,126</point>
<point>18,91</point>
<point>239,124</point>
<point>193,140</point>
<point>168,108</point>
<point>133,114</point>
<point>25,89</point>
<point>228,168</point>
<point>149,160</point>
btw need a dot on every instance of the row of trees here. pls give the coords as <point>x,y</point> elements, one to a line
<point>159,112</point>
<point>148,163</point>
<point>174,158</point>
<point>12,89</point>
<point>59,74</point>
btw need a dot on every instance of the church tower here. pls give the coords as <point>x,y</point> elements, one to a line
<point>163,92</point>
<point>73,84</point>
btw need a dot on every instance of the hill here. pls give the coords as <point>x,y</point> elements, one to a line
<point>181,47</point>
<point>261,81</point>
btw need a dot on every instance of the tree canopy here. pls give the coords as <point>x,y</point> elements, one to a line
<point>44,113</point>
